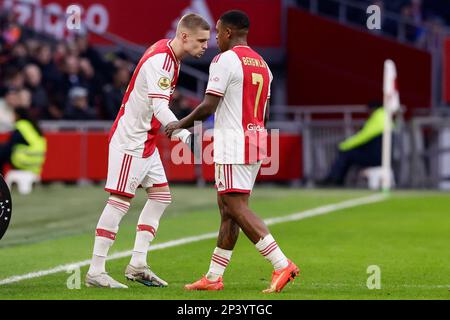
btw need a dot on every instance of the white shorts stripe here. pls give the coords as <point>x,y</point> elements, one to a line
<point>121,172</point>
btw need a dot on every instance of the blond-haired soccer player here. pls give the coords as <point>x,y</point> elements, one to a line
<point>134,159</point>
<point>238,92</point>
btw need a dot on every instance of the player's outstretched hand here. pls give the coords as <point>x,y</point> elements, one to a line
<point>171,127</point>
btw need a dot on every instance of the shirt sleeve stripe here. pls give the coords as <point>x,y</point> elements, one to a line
<point>161,96</point>
<point>213,92</point>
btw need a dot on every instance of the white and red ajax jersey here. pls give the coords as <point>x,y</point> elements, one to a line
<point>242,78</point>
<point>156,75</point>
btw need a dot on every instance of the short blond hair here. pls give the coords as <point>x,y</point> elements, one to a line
<point>192,21</point>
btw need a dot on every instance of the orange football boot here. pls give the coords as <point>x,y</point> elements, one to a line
<point>205,284</point>
<point>281,277</point>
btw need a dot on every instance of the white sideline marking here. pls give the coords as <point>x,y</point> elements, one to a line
<point>173,243</point>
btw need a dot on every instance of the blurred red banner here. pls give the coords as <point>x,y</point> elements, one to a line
<point>144,22</point>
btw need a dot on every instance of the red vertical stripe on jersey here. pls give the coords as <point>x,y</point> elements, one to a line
<point>172,53</point>
<point>166,63</point>
<point>251,84</point>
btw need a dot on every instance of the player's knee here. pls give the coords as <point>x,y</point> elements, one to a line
<point>120,203</point>
<point>164,197</point>
<point>120,198</point>
<point>234,205</point>
<point>222,209</point>
<point>226,213</point>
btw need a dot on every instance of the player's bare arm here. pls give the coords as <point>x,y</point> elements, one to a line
<point>201,113</point>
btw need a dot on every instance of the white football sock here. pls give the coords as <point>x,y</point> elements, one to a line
<point>269,249</point>
<point>219,261</point>
<point>106,231</point>
<point>148,225</point>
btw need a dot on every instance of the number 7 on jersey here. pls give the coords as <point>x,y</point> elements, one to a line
<point>258,79</point>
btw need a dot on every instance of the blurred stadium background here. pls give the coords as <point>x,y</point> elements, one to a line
<point>327,66</point>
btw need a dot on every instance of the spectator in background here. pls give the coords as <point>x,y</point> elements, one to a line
<point>7,110</point>
<point>39,98</point>
<point>13,79</point>
<point>19,56</point>
<point>86,51</point>
<point>14,98</point>
<point>61,51</point>
<point>364,149</point>
<point>78,107</point>
<point>50,73</point>
<point>113,93</point>
<point>120,59</point>
<point>72,77</point>
<point>26,148</point>
<point>93,82</point>
<point>51,79</point>
<point>32,46</point>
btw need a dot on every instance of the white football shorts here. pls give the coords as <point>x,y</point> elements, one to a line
<point>238,178</point>
<point>126,173</point>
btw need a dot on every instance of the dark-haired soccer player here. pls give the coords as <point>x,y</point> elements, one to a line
<point>133,157</point>
<point>238,92</point>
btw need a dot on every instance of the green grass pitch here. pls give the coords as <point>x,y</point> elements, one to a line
<point>407,236</point>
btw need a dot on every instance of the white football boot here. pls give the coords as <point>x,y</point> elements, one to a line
<point>103,280</point>
<point>145,276</point>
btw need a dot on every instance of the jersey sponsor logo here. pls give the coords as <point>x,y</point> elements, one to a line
<point>5,207</point>
<point>164,83</point>
<point>254,127</point>
<point>214,79</point>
